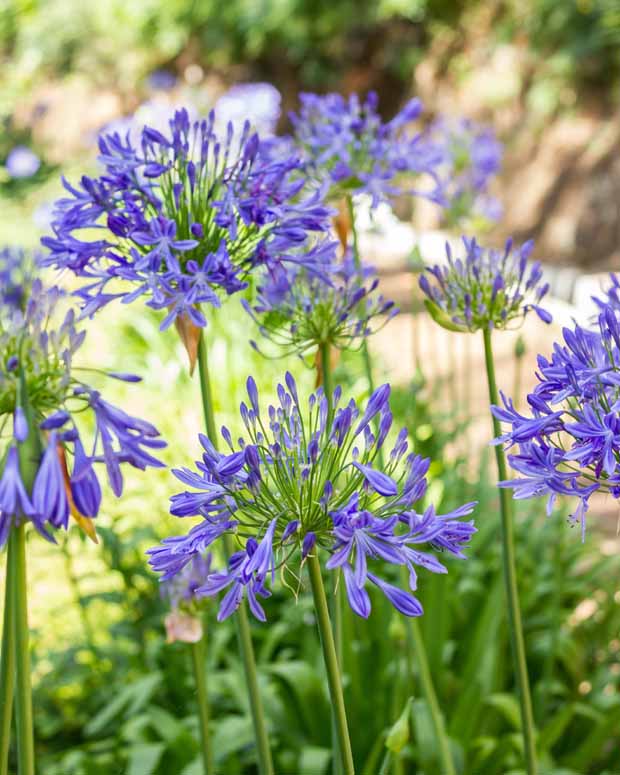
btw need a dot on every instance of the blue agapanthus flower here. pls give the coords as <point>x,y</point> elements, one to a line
<point>345,141</point>
<point>569,442</point>
<point>22,162</point>
<point>182,219</point>
<point>42,406</point>
<point>306,480</point>
<point>468,158</point>
<point>299,310</point>
<point>485,288</point>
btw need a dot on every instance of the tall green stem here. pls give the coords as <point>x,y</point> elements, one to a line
<point>428,689</point>
<point>365,351</point>
<point>510,577</point>
<point>23,689</point>
<point>336,607</point>
<point>331,664</point>
<point>200,681</point>
<point>244,635</point>
<point>7,659</point>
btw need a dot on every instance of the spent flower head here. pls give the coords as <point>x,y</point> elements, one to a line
<point>345,141</point>
<point>182,218</point>
<point>569,442</point>
<point>298,310</point>
<point>485,288</point>
<point>48,470</point>
<point>306,479</point>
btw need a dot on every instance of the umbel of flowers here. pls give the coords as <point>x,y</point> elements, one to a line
<point>486,288</point>
<point>306,481</point>
<point>345,142</point>
<point>42,398</point>
<point>467,157</point>
<point>183,219</point>
<point>299,310</point>
<point>569,441</point>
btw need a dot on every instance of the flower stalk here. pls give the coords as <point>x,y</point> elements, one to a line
<point>200,679</point>
<point>244,636</point>
<point>331,664</point>
<point>23,688</point>
<point>7,660</point>
<point>510,575</point>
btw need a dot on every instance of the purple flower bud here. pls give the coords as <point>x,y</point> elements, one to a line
<point>291,528</point>
<point>20,425</point>
<point>308,544</point>
<point>124,377</point>
<point>55,420</point>
<point>12,363</point>
<point>378,400</point>
<point>253,394</point>
<point>380,482</point>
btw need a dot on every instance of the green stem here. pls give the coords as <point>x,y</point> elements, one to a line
<point>335,596</point>
<point>428,689</point>
<point>7,661</point>
<point>510,576</point>
<point>365,352</point>
<point>23,689</point>
<point>244,637</point>
<point>200,680</point>
<point>331,664</point>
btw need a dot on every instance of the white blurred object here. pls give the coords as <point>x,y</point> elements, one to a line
<point>259,103</point>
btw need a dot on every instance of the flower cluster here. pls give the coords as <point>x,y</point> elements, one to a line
<point>299,310</point>
<point>47,473</point>
<point>306,481</point>
<point>486,288</point>
<point>468,156</point>
<point>570,442</point>
<point>345,141</point>
<point>183,219</point>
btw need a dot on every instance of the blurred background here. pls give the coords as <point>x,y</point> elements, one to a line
<point>111,695</point>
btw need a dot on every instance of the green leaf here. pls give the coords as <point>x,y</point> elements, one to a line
<point>144,758</point>
<point>232,734</point>
<point>398,736</point>
<point>314,760</point>
<point>508,707</point>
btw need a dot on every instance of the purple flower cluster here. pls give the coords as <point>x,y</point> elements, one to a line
<point>569,443</point>
<point>299,310</point>
<point>46,402</point>
<point>183,218</point>
<point>345,141</point>
<point>486,288</point>
<point>468,156</point>
<point>306,480</point>
<point>22,162</point>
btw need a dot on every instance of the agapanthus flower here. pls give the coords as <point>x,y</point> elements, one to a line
<point>182,219</point>
<point>22,162</point>
<point>257,102</point>
<point>306,480</point>
<point>299,310</point>
<point>569,442</point>
<point>467,156</point>
<point>345,141</point>
<point>610,296</point>
<point>42,403</point>
<point>486,288</point>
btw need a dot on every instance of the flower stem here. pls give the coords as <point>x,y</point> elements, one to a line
<point>7,660</point>
<point>428,689</point>
<point>365,352</point>
<point>331,664</point>
<point>244,637</point>
<point>200,681</point>
<point>510,576</point>
<point>23,689</point>
<point>336,607</point>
